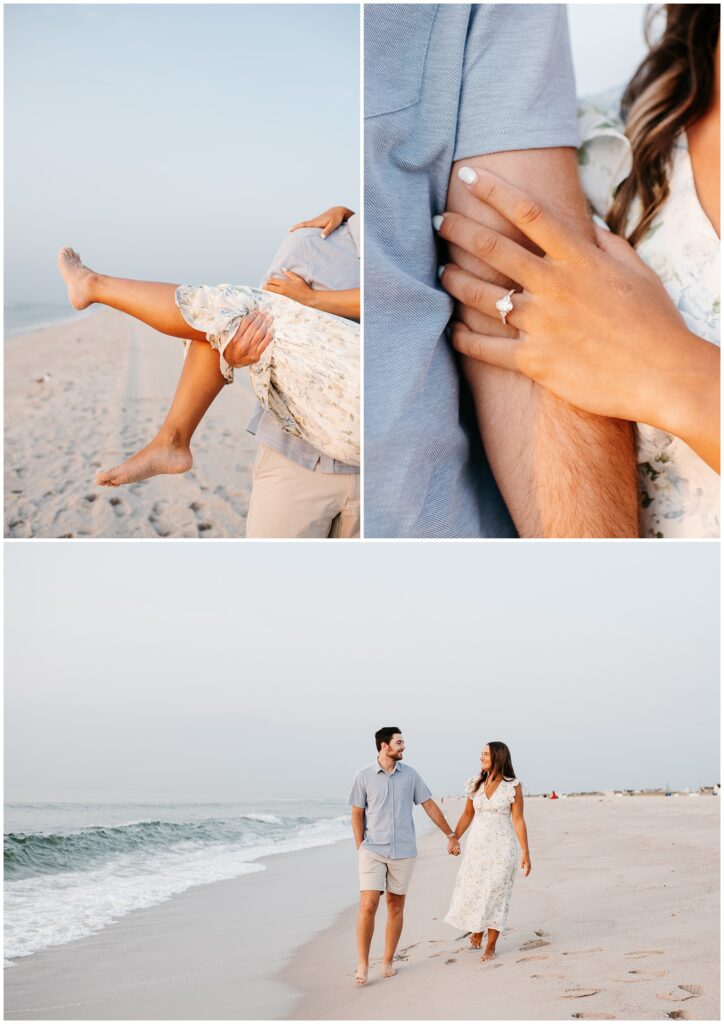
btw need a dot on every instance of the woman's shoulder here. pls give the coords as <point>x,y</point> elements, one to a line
<point>512,784</point>
<point>470,786</point>
<point>604,156</point>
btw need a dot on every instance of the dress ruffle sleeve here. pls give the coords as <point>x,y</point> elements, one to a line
<point>605,156</point>
<point>470,786</point>
<point>512,783</point>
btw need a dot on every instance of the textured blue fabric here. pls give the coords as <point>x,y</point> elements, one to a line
<point>329,264</point>
<point>388,800</point>
<point>442,82</point>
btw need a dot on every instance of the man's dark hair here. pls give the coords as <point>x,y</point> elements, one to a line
<point>385,734</point>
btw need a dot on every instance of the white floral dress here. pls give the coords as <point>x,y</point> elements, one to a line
<point>308,377</point>
<point>481,897</point>
<point>679,493</point>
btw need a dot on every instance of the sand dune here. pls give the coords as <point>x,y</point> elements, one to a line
<point>83,395</point>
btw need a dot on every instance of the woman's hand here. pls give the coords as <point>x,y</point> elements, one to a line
<point>252,337</point>
<point>453,846</point>
<point>592,322</point>
<point>328,221</point>
<point>525,863</point>
<point>291,285</point>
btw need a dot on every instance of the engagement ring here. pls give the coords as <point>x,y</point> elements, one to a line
<point>505,306</point>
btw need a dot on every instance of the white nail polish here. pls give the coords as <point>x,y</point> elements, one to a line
<point>468,175</point>
<point>441,270</point>
<point>437,221</point>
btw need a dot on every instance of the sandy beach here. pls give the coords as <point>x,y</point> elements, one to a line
<point>83,395</point>
<point>620,911</point>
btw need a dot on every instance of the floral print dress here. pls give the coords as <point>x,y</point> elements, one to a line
<point>678,492</point>
<point>309,376</point>
<point>481,897</point>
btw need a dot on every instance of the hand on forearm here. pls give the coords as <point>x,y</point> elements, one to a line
<point>537,445</point>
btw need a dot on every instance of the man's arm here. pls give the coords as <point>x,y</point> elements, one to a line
<point>344,303</point>
<point>435,815</point>
<point>562,472</point>
<point>358,825</point>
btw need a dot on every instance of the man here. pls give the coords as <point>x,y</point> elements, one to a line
<point>490,84</point>
<point>382,799</point>
<point>297,491</point>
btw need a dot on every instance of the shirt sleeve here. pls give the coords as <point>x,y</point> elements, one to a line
<point>358,794</point>
<point>518,89</point>
<point>421,793</point>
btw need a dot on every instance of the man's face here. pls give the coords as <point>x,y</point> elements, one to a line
<point>395,748</point>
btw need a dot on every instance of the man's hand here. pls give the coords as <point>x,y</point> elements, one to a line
<point>453,846</point>
<point>328,221</point>
<point>252,337</point>
<point>292,285</point>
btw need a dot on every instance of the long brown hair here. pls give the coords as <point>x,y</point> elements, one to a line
<point>670,91</point>
<point>501,764</point>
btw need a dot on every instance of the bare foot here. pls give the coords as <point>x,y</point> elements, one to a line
<point>156,458</point>
<point>361,976</point>
<point>77,277</point>
<point>476,940</point>
<point>388,971</point>
<point>489,954</point>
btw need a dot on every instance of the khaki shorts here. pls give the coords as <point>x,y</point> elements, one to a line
<point>383,873</point>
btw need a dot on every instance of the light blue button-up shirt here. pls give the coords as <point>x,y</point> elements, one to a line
<point>387,799</point>
<point>442,82</point>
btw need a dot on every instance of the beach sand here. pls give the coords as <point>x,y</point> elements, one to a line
<point>620,910</point>
<point>84,395</point>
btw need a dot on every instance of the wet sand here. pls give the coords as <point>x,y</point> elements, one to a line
<point>83,395</point>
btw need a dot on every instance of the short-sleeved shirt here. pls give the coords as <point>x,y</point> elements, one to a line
<point>442,82</point>
<point>388,799</point>
<point>328,264</point>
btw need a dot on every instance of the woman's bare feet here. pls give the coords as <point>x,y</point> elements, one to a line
<point>361,976</point>
<point>388,971</point>
<point>158,457</point>
<point>489,953</point>
<point>77,277</point>
<point>476,940</point>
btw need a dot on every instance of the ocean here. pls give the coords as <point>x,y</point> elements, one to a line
<point>27,316</point>
<point>72,869</point>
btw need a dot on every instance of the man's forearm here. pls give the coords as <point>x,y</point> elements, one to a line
<point>562,472</point>
<point>342,303</point>
<point>435,815</point>
<point>358,828</point>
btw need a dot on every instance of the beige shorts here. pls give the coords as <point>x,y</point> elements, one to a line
<point>383,873</point>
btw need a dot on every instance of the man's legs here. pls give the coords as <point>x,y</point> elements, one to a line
<point>369,900</point>
<point>395,908</point>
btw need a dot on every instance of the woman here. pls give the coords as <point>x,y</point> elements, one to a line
<point>308,379</point>
<point>596,323</point>
<point>481,897</point>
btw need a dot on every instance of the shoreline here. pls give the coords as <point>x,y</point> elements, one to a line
<point>620,910</point>
<point>84,394</point>
<point>210,953</point>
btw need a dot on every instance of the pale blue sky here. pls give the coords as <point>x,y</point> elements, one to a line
<point>175,142</point>
<point>222,670</point>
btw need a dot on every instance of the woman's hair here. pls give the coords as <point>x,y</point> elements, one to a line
<point>670,91</point>
<point>501,764</point>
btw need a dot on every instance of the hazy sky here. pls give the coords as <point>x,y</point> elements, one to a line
<point>176,142</point>
<point>607,41</point>
<point>200,670</point>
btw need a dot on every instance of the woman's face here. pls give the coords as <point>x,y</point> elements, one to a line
<point>485,761</point>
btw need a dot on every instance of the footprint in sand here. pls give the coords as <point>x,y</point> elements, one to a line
<point>547,977</point>
<point>526,959</point>
<point>533,944</point>
<point>580,992</point>
<point>637,954</point>
<point>205,527</point>
<point>681,993</point>
<point>542,935</point>
<point>594,1016</point>
<point>649,973</point>
<point>117,505</point>
<point>91,498</point>
<point>679,1015</point>
<point>583,952</point>
<point>451,960</point>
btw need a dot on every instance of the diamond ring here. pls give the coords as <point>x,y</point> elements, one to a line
<point>505,306</point>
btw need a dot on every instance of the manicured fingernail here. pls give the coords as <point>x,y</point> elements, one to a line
<point>323,234</point>
<point>437,221</point>
<point>441,270</point>
<point>468,175</point>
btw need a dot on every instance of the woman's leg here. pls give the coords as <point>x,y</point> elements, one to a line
<point>169,452</point>
<point>489,953</point>
<point>150,301</point>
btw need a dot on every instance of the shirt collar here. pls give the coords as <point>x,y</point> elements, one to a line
<point>379,767</point>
